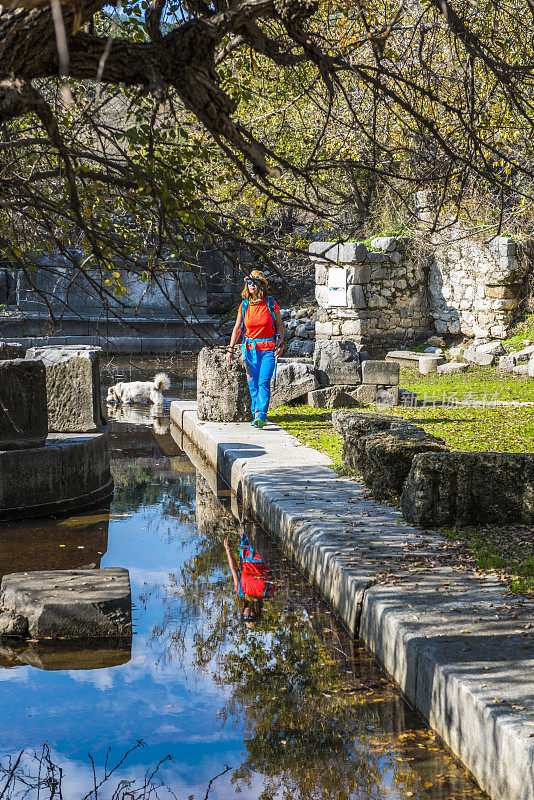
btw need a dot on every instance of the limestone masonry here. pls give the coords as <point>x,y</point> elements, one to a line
<point>394,290</point>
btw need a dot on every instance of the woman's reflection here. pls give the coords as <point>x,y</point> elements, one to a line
<point>251,580</point>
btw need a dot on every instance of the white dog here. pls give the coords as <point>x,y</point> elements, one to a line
<point>139,391</point>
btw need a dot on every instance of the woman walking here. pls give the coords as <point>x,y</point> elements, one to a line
<point>259,320</point>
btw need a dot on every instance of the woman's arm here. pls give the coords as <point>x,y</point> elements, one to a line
<point>280,332</point>
<point>232,562</point>
<point>236,333</point>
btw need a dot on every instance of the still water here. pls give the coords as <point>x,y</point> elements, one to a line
<point>198,704</point>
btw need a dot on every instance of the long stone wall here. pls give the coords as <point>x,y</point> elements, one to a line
<point>397,292</point>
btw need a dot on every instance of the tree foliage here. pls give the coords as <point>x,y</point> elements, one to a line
<point>139,134</point>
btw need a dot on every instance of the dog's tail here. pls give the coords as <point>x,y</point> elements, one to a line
<point>161,382</point>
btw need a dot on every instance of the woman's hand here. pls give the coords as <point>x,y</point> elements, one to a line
<point>226,543</point>
<point>229,354</point>
<point>279,350</point>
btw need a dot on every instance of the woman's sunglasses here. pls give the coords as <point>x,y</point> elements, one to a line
<point>253,282</point>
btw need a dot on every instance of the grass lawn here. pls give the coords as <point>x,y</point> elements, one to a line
<point>479,383</point>
<point>507,551</point>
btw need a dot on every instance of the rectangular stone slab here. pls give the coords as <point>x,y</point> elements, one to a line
<point>72,386</point>
<point>82,603</point>
<point>23,419</point>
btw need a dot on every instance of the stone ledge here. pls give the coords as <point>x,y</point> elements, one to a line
<point>345,544</point>
<point>71,603</point>
<point>70,472</point>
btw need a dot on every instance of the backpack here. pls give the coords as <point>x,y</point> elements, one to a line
<point>244,306</point>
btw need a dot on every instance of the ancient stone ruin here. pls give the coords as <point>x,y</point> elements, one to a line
<point>397,291</point>
<point>72,387</point>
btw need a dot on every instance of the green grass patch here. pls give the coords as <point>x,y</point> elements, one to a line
<point>523,332</point>
<point>312,427</point>
<point>508,429</point>
<point>478,384</point>
<point>507,551</point>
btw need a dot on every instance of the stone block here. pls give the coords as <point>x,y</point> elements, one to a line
<point>385,458</point>
<point>72,387</point>
<point>473,355</point>
<point>293,380</point>
<point>324,251</point>
<point>429,364</point>
<point>355,297</point>
<point>323,328</point>
<point>23,418</point>
<point>387,396</point>
<point>385,243</point>
<point>507,363</point>
<point>470,489</point>
<point>85,603</point>
<point>354,327</point>
<point>452,368</point>
<point>301,348</point>
<point>354,424</point>
<point>530,371</point>
<point>352,253</point>
<point>332,397</point>
<point>321,275</point>
<point>358,275</point>
<point>521,370</point>
<point>322,295</point>
<point>381,372</point>
<point>337,363</point>
<point>222,389</point>
<point>366,393</point>
<point>11,350</point>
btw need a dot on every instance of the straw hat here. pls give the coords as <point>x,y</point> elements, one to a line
<point>259,275</point>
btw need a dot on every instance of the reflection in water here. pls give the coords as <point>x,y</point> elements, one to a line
<point>77,542</point>
<point>72,654</point>
<point>292,708</point>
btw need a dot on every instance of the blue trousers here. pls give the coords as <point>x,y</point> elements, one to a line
<point>259,373</point>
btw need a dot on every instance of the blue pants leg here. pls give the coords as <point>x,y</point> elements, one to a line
<point>261,373</point>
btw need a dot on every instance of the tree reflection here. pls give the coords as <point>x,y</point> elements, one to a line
<point>144,482</point>
<point>305,725</point>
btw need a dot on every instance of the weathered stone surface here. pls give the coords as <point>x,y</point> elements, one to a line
<point>435,341</point>
<point>332,397</point>
<point>222,389</point>
<point>493,348</point>
<point>354,424</point>
<point>301,348</point>
<point>429,364</point>
<point>366,393</point>
<point>337,363</point>
<point>12,624</point>
<point>71,603</point>
<point>385,458</point>
<point>405,358</point>
<point>293,379</point>
<point>452,368</point>
<point>11,350</point>
<point>380,372</point>
<point>387,396</point>
<point>23,419</point>
<point>71,471</point>
<point>476,356</point>
<point>520,369</point>
<point>508,362</point>
<point>470,489</point>
<point>72,387</point>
